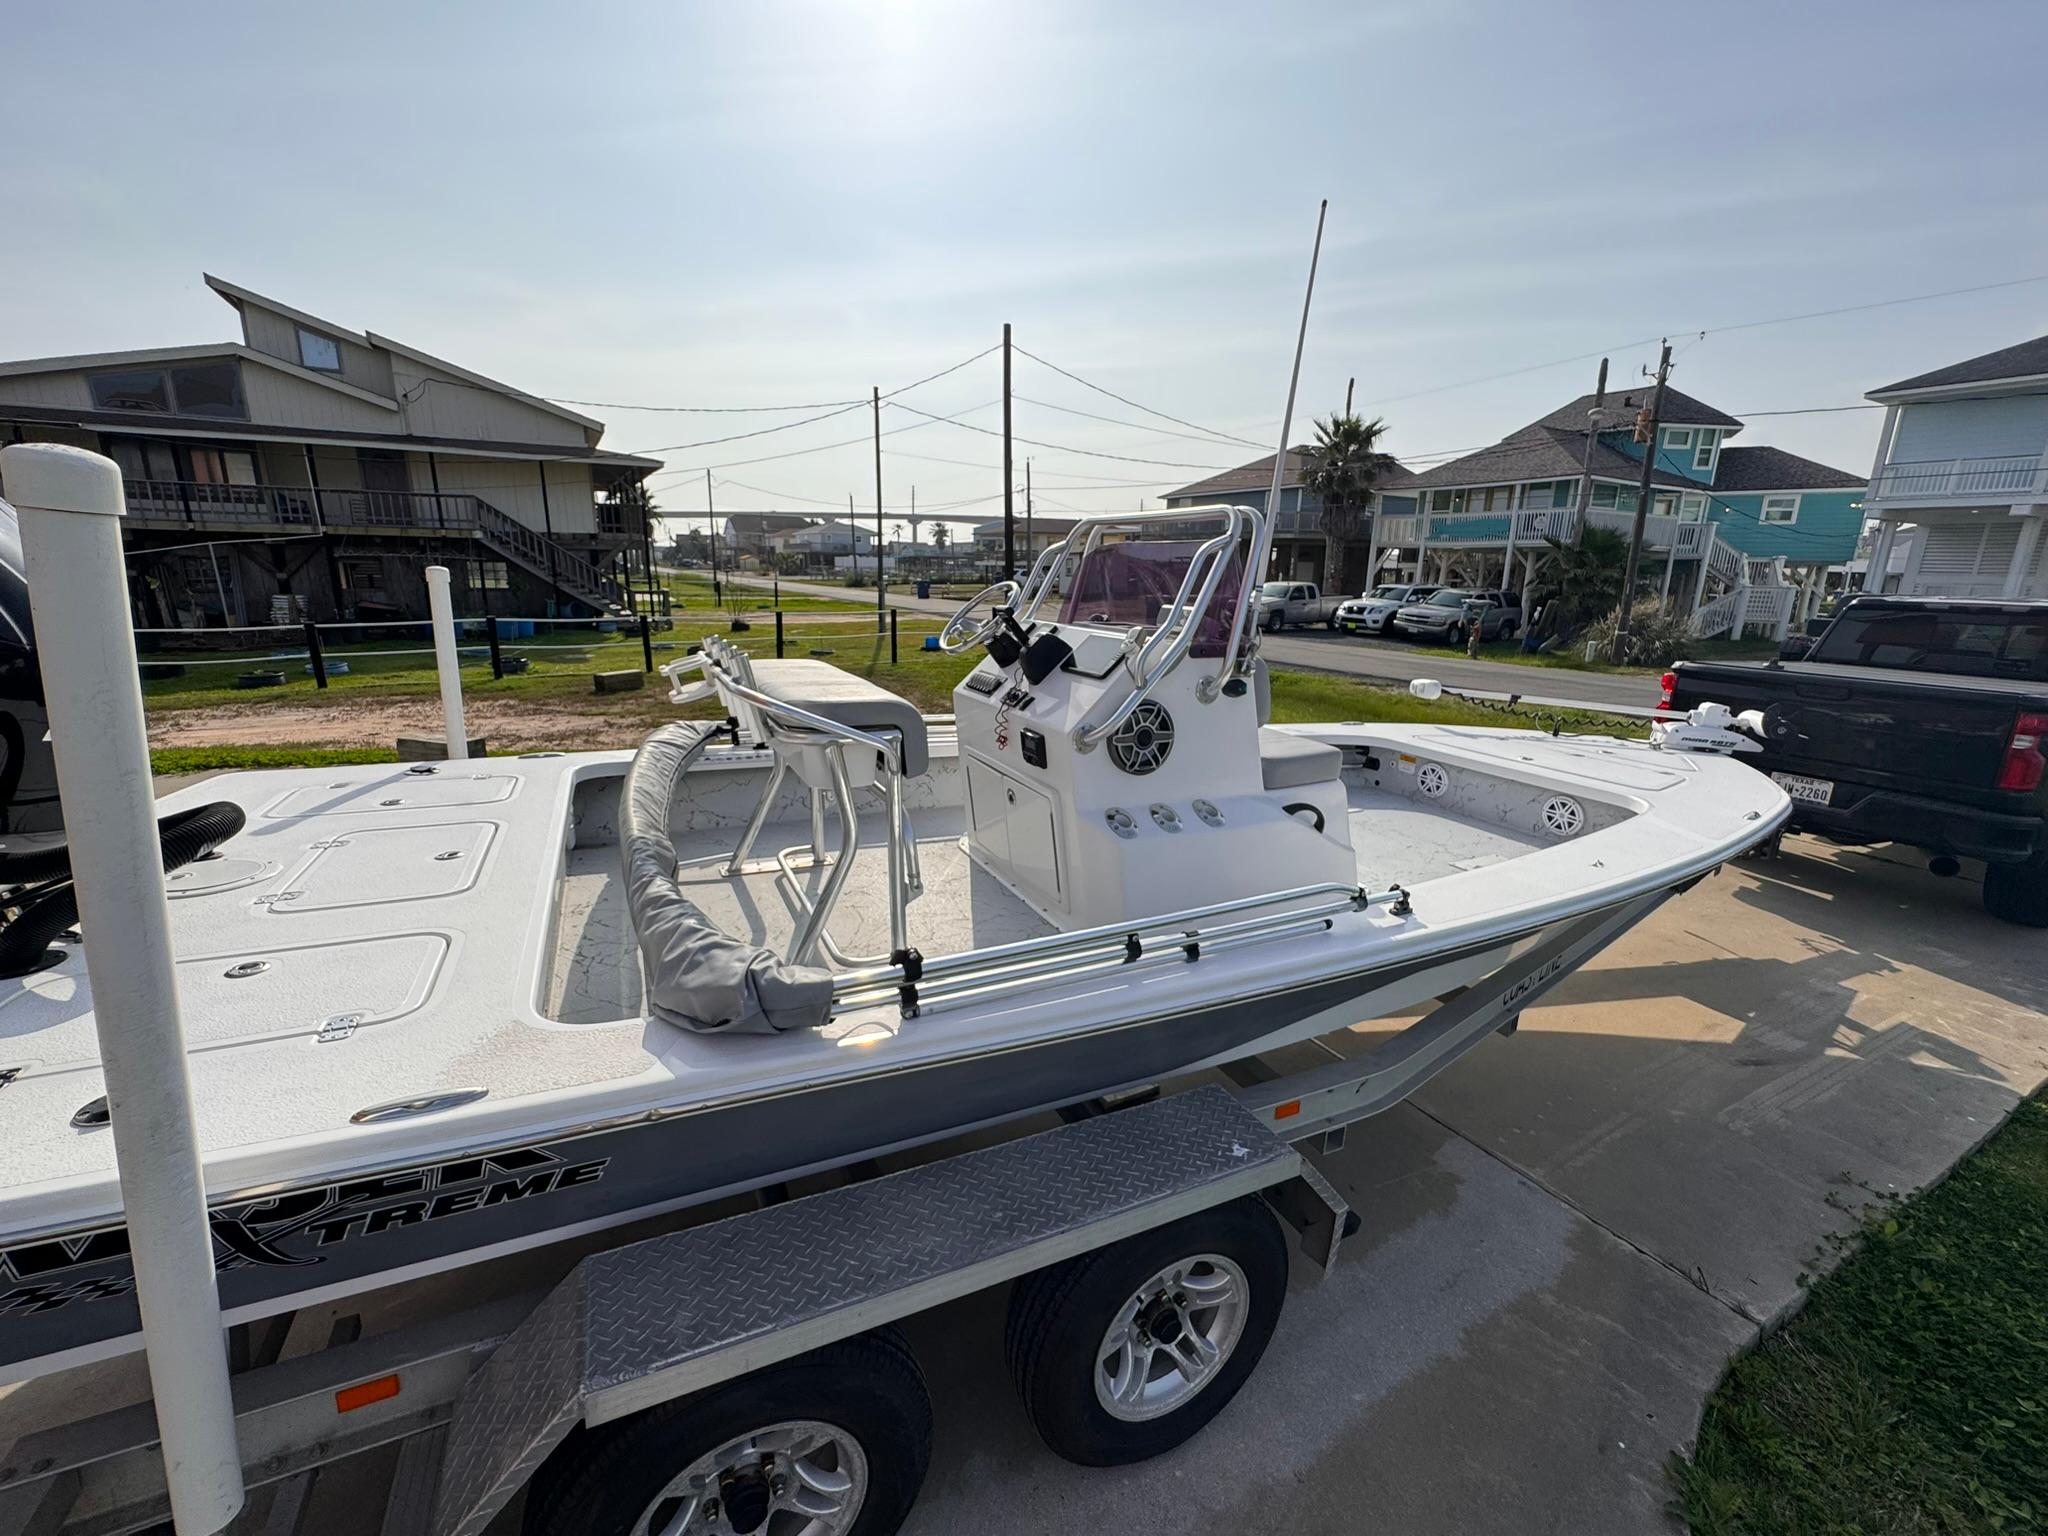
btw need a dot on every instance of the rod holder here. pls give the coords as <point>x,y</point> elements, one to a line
<point>70,503</point>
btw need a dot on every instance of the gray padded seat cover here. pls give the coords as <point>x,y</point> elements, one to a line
<point>698,977</point>
<point>839,696</point>
<point>1287,761</point>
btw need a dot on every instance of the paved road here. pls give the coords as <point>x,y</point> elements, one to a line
<point>1384,661</point>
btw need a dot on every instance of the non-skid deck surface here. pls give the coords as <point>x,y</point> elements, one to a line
<point>1403,841</point>
<point>597,972</point>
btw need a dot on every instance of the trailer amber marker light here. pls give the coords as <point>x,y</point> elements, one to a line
<point>1288,1110</point>
<point>364,1393</point>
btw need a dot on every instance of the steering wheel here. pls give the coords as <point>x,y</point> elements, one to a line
<point>963,632</point>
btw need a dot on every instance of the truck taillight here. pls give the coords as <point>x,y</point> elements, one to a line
<point>1669,683</point>
<point>2023,756</point>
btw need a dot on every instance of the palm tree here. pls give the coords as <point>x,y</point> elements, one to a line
<point>1344,466</point>
<point>1581,581</point>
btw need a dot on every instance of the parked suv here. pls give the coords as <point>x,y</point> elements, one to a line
<point>1446,616</point>
<point>1368,615</point>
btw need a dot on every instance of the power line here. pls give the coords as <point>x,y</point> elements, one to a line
<point>1136,426</point>
<point>1713,330</point>
<point>1811,410</point>
<point>797,453</point>
<point>1086,453</point>
<point>1134,405</point>
<point>735,437</point>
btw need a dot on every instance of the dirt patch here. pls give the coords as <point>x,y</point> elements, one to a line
<point>509,725</point>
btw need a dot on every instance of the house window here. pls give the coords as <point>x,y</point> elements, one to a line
<point>1677,437</point>
<point>1439,501</point>
<point>1779,509</point>
<point>358,575</point>
<point>317,351</point>
<point>1605,495</point>
<point>1663,505</point>
<point>492,575</point>
<point>142,389</point>
<point>1703,456</point>
<point>1692,508</point>
<point>200,389</point>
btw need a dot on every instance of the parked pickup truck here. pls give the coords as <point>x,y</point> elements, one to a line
<point>1911,720</point>
<point>1284,603</point>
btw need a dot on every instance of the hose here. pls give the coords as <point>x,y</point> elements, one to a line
<point>181,838</point>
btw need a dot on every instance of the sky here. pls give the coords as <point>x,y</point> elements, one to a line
<point>786,205</point>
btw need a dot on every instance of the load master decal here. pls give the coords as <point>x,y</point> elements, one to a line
<point>292,1230</point>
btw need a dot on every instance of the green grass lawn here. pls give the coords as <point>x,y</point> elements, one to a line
<point>692,590</point>
<point>1910,1396</point>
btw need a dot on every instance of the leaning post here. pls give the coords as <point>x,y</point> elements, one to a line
<point>70,503</point>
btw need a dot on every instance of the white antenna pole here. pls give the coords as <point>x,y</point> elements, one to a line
<point>71,505</point>
<point>1262,544</point>
<point>447,661</point>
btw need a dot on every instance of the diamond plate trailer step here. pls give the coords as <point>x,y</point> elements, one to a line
<point>643,1324</point>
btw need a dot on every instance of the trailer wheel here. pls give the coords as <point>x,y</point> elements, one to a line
<point>833,1443</point>
<point>1125,1353</point>
<point>2018,893</point>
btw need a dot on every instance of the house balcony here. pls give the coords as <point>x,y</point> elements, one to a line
<point>160,504</point>
<point>2002,479</point>
<point>1683,538</point>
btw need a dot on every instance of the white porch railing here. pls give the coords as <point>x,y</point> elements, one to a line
<point>1726,562</point>
<point>2011,474</point>
<point>1718,616</point>
<point>1686,540</point>
<point>1769,605</point>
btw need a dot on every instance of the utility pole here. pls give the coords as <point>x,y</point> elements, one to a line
<point>1009,490</point>
<point>1349,385</point>
<point>711,524</point>
<point>1027,511</point>
<point>880,601</point>
<point>1648,436</point>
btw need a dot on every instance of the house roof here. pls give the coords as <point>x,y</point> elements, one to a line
<point>137,357</point>
<point>1678,409</point>
<point>1541,453</point>
<point>2027,360</point>
<point>153,424</point>
<point>1258,476</point>
<point>1773,469</point>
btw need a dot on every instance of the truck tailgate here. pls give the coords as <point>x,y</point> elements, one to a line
<point>1920,734</point>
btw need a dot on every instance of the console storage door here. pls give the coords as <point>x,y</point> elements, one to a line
<point>1013,826</point>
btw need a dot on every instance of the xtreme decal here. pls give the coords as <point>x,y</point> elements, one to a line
<point>291,1230</point>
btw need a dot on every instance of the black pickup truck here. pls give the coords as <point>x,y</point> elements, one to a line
<point>1920,721</point>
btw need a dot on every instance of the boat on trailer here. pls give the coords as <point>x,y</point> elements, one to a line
<point>443,1012</point>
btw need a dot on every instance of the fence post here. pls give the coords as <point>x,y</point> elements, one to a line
<point>313,650</point>
<point>892,637</point>
<point>497,652</point>
<point>647,642</point>
<point>778,634</point>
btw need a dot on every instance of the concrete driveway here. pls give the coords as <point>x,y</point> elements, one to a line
<point>1567,1235</point>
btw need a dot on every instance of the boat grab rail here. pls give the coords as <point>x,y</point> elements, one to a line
<point>1167,935</point>
<point>1169,644</point>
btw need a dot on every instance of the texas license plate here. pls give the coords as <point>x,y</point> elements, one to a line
<point>1799,787</point>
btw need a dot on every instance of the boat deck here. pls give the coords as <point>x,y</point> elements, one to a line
<point>596,972</point>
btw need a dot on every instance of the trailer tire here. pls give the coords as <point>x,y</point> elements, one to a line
<point>1061,1318</point>
<point>610,1480</point>
<point>2018,893</point>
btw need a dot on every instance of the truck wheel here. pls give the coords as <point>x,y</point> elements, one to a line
<point>1275,622</point>
<point>1507,630</point>
<point>1125,1353</point>
<point>833,1443</point>
<point>2018,893</point>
